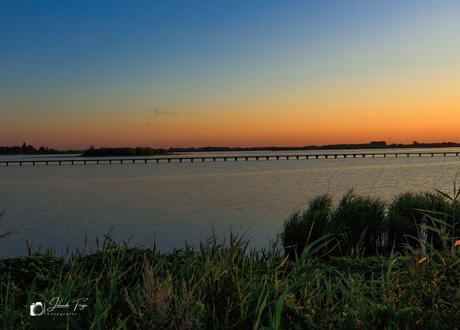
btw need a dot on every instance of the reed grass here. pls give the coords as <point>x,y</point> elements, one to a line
<point>303,228</point>
<point>225,285</point>
<point>361,223</point>
<point>405,216</point>
<point>5,234</point>
<point>366,226</point>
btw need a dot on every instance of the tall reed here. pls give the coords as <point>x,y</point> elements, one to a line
<point>303,228</point>
<point>405,217</point>
<point>356,215</point>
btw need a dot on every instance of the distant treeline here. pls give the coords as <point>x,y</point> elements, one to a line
<point>138,151</point>
<point>26,150</point>
<point>371,145</point>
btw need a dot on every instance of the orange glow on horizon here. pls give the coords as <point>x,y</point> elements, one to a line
<point>319,124</point>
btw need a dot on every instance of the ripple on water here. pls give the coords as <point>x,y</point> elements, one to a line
<point>57,206</point>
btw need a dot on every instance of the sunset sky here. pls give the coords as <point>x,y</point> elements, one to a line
<point>228,73</point>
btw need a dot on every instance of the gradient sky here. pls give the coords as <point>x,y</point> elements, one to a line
<point>233,73</point>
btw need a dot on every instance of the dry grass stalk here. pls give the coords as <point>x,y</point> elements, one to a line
<point>159,306</point>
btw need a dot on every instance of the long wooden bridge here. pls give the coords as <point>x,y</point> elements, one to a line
<point>219,158</point>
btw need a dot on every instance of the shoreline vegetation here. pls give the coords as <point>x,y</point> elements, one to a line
<point>30,150</point>
<point>138,151</point>
<point>398,268</point>
<point>127,151</point>
<point>370,145</point>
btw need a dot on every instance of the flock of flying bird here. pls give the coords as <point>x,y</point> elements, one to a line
<point>157,112</point>
<point>164,112</point>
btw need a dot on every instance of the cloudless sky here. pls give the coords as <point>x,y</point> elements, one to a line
<point>228,73</point>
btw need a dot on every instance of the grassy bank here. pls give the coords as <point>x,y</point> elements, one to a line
<point>328,283</point>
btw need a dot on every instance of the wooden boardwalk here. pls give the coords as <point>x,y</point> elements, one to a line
<point>180,159</point>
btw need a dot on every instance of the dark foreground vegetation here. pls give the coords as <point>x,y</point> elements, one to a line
<point>363,264</point>
<point>371,226</point>
<point>138,151</point>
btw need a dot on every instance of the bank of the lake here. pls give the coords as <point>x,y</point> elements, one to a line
<point>217,286</point>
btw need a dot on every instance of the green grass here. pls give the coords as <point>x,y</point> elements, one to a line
<point>226,286</point>
<point>303,228</point>
<point>367,226</point>
<point>361,223</point>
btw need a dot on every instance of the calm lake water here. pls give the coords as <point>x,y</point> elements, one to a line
<point>58,206</point>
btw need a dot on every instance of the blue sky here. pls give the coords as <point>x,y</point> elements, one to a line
<point>78,73</point>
